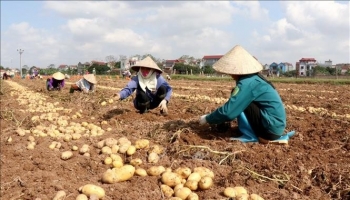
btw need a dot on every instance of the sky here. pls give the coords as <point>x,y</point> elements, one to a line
<point>69,32</point>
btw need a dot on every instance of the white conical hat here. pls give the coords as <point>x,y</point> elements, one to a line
<point>238,62</point>
<point>58,76</point>
<point>91,78</point>
<point>146,62</point>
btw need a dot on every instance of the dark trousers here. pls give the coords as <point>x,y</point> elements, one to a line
<point>144,103</point>
<point>253,114</point>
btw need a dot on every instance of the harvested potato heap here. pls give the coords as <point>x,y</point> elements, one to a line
<point>240,193</point>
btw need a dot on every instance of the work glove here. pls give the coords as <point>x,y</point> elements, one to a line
<point>163,106</point>
<point>202,120</point>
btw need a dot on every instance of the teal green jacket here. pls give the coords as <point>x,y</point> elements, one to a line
<point>253,89</point>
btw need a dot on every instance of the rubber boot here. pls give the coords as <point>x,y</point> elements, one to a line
<point>245,128</point>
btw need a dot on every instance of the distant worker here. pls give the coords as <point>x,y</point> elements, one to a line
<point>86,84</point>
<point>56,82</point>
<point>168,77</point>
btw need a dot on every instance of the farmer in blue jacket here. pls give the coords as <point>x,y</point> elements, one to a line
<point>254,101</point>
<point>152,90</point>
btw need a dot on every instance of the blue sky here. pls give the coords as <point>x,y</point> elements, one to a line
<point>68,32</point>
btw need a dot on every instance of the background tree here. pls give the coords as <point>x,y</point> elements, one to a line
<point>208,69</point>
<point>111,60</point>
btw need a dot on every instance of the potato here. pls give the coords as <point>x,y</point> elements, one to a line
<point>136,162</point>
<point>84,149</point>
<point>110,142</point>
<point>60,195</point>
<point>82,197</point>
<point>91,189</point>
<point>109,176</point>
<point>106,150</point>
<point>143,143</point>
<point>155,170</point>
<point>124,173</point>
<point>115,148</point>
<point>255,197</point>
<point>235,191</point>
<point>153,157</point>
<point>131,150</point>
<point>192,184</point>
<point>171,179</point>
<point>108,160</point>
<point>66,155</point>
<point>192,196</point>
<point>183,193</point>
<point>141,172</point>
<point>194,176</point>
<point>184,172</point>
<point>20,132</point>
<point>156,149</point>
<point>242,197</point>
<point>175,198</point>
<point>203,171</point>
<point>205,183</point>
<point>167,191</point>
<point>178,187</point>
<point>124,147</point>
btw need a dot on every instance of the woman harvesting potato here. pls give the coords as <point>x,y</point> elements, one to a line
<point>152,90</point>
<point>254,101</point>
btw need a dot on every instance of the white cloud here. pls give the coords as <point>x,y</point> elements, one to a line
<point>86,30</point>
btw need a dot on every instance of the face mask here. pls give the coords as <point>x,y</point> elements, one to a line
<point>145,72</point>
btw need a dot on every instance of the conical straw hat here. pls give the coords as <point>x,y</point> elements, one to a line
<point>146,62</point>
<point>58,76</point>
<point>237,62</point>
<point>91,78</point>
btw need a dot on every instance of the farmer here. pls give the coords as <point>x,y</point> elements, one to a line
<point>254,101</point>
<point>56,82</point>
<point>152,90</point>
<point>85,84</point>
<point>168,77</point>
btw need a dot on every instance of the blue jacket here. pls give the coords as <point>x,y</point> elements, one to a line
<point>134,83</point>
<point>253,89</point>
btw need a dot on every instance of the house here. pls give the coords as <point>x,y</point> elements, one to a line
<point>343,67</point>
<point>169,64</point>
<point>99,63</point>
<point>209,60</point>
<point>305,66</point>
<point>280,68</point>
<point>63,67</point>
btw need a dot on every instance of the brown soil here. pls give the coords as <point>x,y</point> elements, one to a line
<point>315,164</point>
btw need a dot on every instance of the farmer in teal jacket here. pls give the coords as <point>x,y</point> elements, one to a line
<point>254,101</point>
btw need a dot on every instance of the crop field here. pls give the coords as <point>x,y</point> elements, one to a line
<point>54,145</point>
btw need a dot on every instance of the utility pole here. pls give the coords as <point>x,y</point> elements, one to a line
<point>20,51</point>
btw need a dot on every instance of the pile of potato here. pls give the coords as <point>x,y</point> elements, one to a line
<point>240,193</point>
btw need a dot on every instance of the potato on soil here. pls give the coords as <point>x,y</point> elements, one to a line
<point>143,143</point>
<point>194,177</point>
<point>155,170</point>
<point>184,172</point>
<point>192,196</point>
<point>255,197</point>
<point>66,155</point>
<point>171,179</point>
<point>141,172</point>
<point>91,189</point>
<point>234,191</point>
<point>120,174</point>
<point>153,158</point>
<point>203,171</point>
<point>82,197</point>
<point>60,195</point>
<point>183,192</point>
<point>205,183</point>
<point>167,191</point>
<point>192,184</point>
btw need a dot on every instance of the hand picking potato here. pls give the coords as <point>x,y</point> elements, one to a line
<point>171,179</point>
<point>91,189</point>
<point>60,195</point>
<point>167,191</point>
<point>205,183</point>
